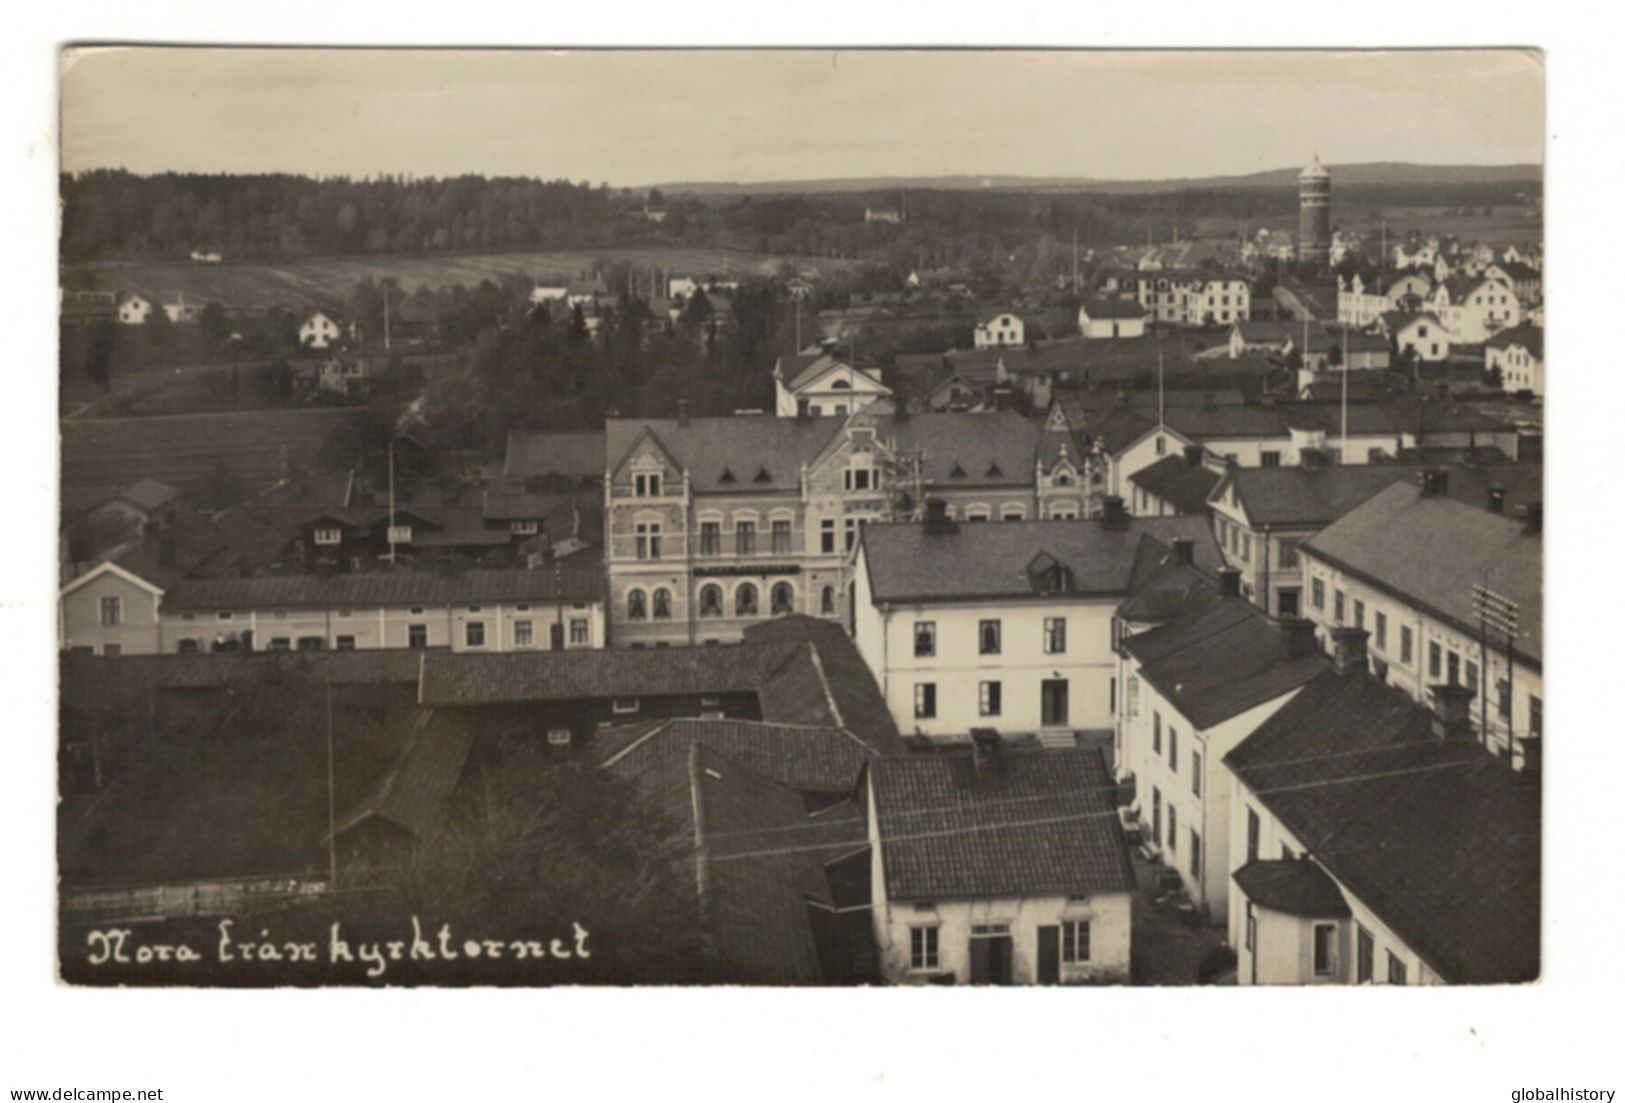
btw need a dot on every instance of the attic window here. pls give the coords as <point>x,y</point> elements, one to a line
<point>994,471</point>
<point>957,473</point>
<point>727,476</point>
<point>762,476</point>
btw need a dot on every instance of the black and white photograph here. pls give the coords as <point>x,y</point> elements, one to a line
<point>471,576</point>
<point>997,533</point>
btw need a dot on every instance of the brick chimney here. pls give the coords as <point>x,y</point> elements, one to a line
<point>937,521</point>
<point>1435,483</point>
<point>1534,517</point>
<point>1299,636</point>
<point>1348,649</point>
<point>1185,549</point>
<point>1497,500</point>
<point>1193,455</point>
<point>1452,712</point>
<point>1229,582</point>
<point>1311,459</point>
<point>1113,516</point>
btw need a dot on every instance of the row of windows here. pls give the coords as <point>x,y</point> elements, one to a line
<point>1172,833</point>
<point>989,637</point>
<point>1053,701</point>
<point>1173,751</point>
<point>925,942</point>
<point>417,638</point>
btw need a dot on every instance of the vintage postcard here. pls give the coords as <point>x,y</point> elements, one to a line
<point>800,517</point>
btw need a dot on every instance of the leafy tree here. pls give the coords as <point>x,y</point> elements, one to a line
<point>99,354</point>
<point>212,324</point>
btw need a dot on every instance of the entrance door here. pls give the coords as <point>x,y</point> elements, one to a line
<point>1049,955</point>
<point>990,959</point>
<point>556,637</point>
<point>1288,599</point>
<point>1053,703</point>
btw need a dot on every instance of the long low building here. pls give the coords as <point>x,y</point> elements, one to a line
<point>113,611</point>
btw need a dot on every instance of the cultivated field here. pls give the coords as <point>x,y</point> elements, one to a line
<point>182,450</point>
<point>1506,225</point>
<point>297,283</point>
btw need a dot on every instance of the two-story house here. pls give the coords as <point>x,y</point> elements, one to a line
<point>1474,308</point>
<point>1416,336</point>
<point>1009,626</point>
<point>1373,841</point>
<point>1468,618</point>
<point>1001,330</point>
<point>1519,355</point>
<point>1111,318</point>
<point>822,384</point>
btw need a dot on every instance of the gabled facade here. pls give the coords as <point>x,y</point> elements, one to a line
<point>133,309</point>
<point>1423,336</point>
<point>1001,331</point>
<point>1474,308</point>
<point>319,330</point>
<point>1104,319</point>
<point>1519,354</point>
<point>109,611</point>
<point>823,386</point>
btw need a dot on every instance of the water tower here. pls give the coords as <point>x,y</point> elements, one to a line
<point>1315,213</point>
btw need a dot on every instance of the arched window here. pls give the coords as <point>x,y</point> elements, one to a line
<point>662,604</point>
<point>745,600</point>
<point>636,606</point>
<point>711,600</point>
<point>827,603</point>
<point>784,598</point>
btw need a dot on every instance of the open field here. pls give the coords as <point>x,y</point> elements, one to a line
<point>182,450</point>
<point>297,283</point>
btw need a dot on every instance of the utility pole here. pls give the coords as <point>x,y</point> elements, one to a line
<point>390,532</point>
<point>332,822</point>
<point>386,316</point>
<point>1074,262</point>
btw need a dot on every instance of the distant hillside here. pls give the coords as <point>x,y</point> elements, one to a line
<point>1375,173</point>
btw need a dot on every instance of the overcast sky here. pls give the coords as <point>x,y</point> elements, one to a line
<point>638,118</point>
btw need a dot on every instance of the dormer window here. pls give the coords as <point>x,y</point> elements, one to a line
<point>861,478</point>
<point>329,536</point>
<point>400,534</point>
<point>646,484</point>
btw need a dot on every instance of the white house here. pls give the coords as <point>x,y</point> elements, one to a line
<point>1474,308</point>
<point>133,309</point>
<point>1377,568</point>
<point>681,287</point>
<point>1422,335</point>
<point>1001,330</point>
<point>1362,300</point>
<point>1519,354</point>
<point>1375,842</point>
<point>548,293</point>
<point>998,866</point>
<point>1195,687</point>
<point>109,610</point>
<point>1001,626</point>
<point>823,385</point>
<point>318,330</point>
<point>1108,318</point>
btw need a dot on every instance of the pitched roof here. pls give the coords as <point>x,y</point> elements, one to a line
<point>1034,822</point>
<point>1526,335</point>
<point>582,583</point>
<point>807,759</point>
<point>1112,308</point>
<point>465,678</point>
<point>1304,496</point>
<point>1180,483</point>
<point>1437,838</point>
<point>854,699</point>
<point>1394,540</point>
<point>149,494</point>
<point>533,453</point>
<point>1220,661</point>
<point>754,889</point>
<point>991,448</point>
<point>905,562</point>
<point>1296,886</point>
<point>707,446</point>
<point>517,505</point>
<point>413,794</point>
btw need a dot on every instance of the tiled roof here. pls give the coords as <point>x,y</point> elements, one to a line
<point>1394,541</point>
<point>754,883</point>
<point>1034,822</point>
<point>1412,411</point>
<point>1223,422</point>
<point>843,675</point>
<point>513,505</point>
<point>1303,496</point>
<point>148,494</point>
<point>575,455</point>
<point>1181,484</point>
<point>807,759</point>
<point>384,588</point>
<point>1437,838</point>
<point>906,563</point>
<point>1530,337</point>
<point>992,448</point>
<point>1220,661</point>
<point>91,681</point>
<point>708,446</point>
<point>463,678</point>
<point>1295,886</point>
<point>413,794</point>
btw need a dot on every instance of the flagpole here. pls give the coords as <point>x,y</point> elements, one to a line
<point>1343,448</point>
<point>391,530</point>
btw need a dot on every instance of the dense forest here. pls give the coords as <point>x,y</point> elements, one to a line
<point>115,215</point>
